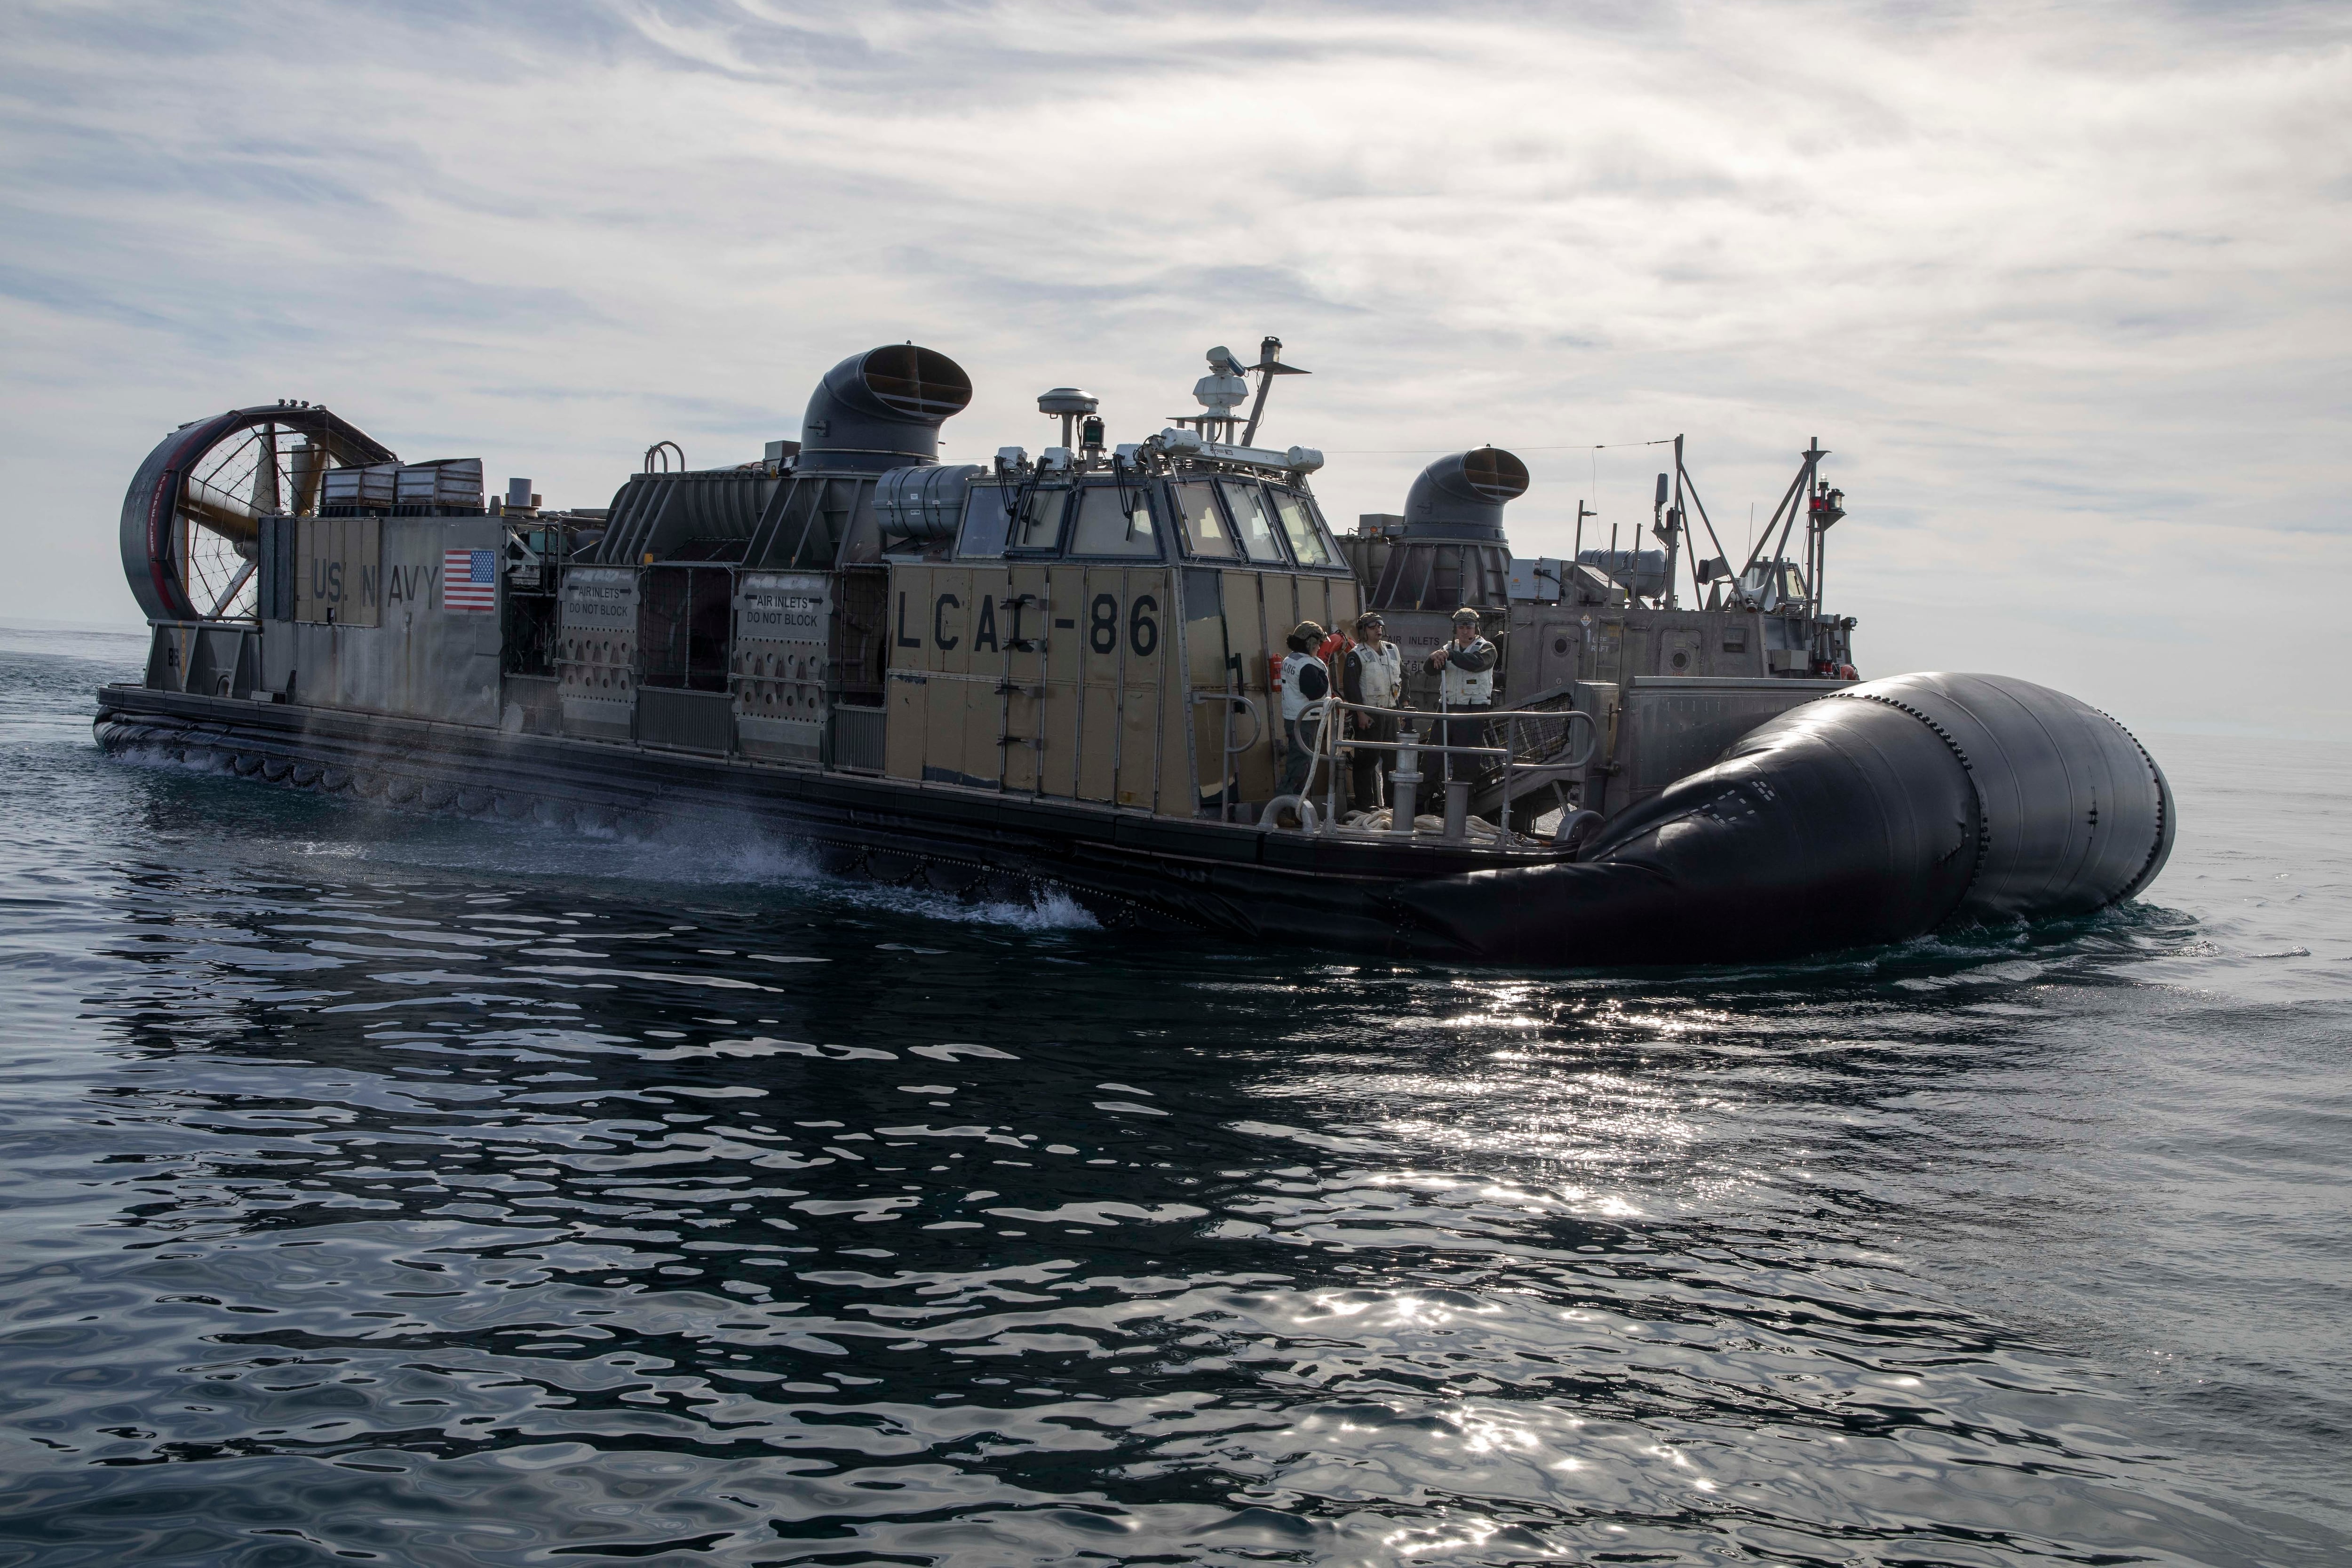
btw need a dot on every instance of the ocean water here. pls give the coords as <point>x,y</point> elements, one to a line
<point>380,1187</point>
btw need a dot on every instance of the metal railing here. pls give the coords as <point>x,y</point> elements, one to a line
<point>1258,733</point>
<point>1410,747</point>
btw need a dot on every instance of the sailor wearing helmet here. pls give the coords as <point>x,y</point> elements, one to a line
<point>1306,678</point>
<point>1374,678</point>
<point>1465,669</point>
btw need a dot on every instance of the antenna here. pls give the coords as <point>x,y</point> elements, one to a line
<point>1269,366</point>
<point>1218,393</point>
<point>1067,403</point>
<point>1664,524</point>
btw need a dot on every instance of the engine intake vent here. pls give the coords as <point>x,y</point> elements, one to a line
<point>881,410</point>
<point>1462,497</point>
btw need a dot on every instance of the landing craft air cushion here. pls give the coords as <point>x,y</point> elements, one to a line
<point>1058,673</point>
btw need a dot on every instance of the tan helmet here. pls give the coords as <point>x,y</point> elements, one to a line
<point>1465,614</point>
<point>1370,619</point>
<point>1309,633</point>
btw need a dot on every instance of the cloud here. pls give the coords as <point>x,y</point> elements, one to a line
<point>2062,287</point>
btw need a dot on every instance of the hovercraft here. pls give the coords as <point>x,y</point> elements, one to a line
<point>1067,673</point>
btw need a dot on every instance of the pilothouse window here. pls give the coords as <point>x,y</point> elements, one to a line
<point>1298,526</point>
<point>1247,503</point>
<point>986,522</point>
<point>1205,534</point>
<point>1041,520</point>
<point>1115,519</point>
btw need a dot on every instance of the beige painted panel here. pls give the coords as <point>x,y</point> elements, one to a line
<point>1027,619</point>
<point>948,618</point>
<point>1101,613</point>
<point>1346,602</point>
<point>1315,601</point>
<point>1066,629</point>
<point>1282,611</point>
<point>1098,734</point>
<point>1179,783</point>
<point>907,701</point>
<point>980,720</point>
<point>983,726</point>
<point>1021,717</point>
<point>902,619</point>
<point>908,618</point>
<point>1057,763</point>
<point>1109,770</point>
<point>1146,633</point>
<point>1246,637</point>
<point>1147,623</point>
<point>985,589</point>
<point>902,737</point>
<point>984,617</point>
<point>1139,753</point>
<point>1031,622</point>
<point>1270,621</point>
<point>1062,657</point>
<point>943,715</point>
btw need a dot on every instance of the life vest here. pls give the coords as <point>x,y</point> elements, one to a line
<point>1294,702</point>
<point>1381,668</point>
<point>1467,689</point>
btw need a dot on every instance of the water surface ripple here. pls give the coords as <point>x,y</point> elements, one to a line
<point>382,1187</point>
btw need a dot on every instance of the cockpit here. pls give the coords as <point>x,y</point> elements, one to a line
<point>1221,517</point>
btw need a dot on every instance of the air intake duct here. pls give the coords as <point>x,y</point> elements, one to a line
<point>1463,496</point>
<point>881,410</point>
<point>923,502</point>
<point>1874,815</point>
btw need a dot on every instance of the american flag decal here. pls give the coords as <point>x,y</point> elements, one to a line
<point>469,580</point>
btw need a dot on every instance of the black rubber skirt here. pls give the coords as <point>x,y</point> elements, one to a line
<point>1875,814</point>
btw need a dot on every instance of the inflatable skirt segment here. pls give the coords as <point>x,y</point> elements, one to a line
<point>1875,814</point>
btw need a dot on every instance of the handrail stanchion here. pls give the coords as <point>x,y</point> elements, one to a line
<point>1405,779</point>
<point>1225,764</point>
<point>1497,737</point>
<point>1330,741</point>
<point>1247,704</point>
<point>1510,759</point>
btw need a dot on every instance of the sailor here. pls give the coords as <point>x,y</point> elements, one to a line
<point>1333,652</point>
<point>1304,678</point>
<point>1465,670</point>
<point>1374,677</point>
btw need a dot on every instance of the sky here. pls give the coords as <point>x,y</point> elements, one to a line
<point>2067,289</point>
